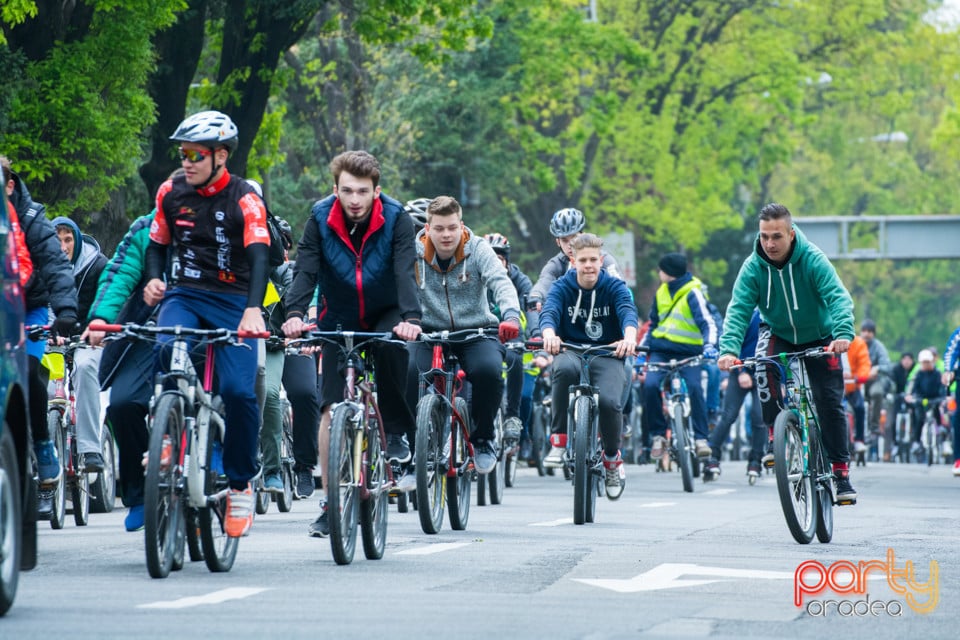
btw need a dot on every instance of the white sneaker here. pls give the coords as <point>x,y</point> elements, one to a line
<point>658,447</point>
<point>859,447</point>
<point>703,448</point>
<point>615,476</point>
<point>555,457</point>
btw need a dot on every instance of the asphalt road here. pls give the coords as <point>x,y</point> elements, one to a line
<point>658,563</point>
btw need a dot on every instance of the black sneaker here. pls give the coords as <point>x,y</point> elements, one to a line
<point>303,487</point>
<point>846,494</point>
<point>320,528</point>
<point>484,457</point>
<point>93,462</point>
<point>711,469</point>
<point>398,449</point>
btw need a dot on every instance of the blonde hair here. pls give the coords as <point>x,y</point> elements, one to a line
<point>586,241</point>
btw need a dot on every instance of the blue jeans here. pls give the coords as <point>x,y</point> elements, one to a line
<point>653,404</point>
<point>237,366</point>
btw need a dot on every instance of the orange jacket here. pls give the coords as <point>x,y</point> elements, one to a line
<point>856,365</point>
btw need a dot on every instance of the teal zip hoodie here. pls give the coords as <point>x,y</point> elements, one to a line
<point>802,301</point>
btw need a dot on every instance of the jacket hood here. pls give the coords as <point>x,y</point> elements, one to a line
<point>63,221</point>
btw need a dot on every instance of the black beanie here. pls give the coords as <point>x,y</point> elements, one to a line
<point>673,264</point>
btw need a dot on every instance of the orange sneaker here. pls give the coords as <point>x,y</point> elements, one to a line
<point>239,512</point>
<point>166,454</point>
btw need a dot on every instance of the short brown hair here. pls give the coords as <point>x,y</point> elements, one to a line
<point>357,163</point>
<point>444,206</point>
<point>586,241</point>
<point>775,211</point>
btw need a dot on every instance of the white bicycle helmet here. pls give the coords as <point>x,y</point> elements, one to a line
<point>210,128</point>
<point>418,211</point>
<point>567,222</point>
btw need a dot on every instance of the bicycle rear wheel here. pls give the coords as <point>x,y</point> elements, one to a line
<point>57,430</point>
<point>373,510</point>
<point>794,483</point>
<point>683,447</point>
<point>285,498</point>
<point>103,489</point>
<point>823,486</point>
<point>161,500</point>
<point>582,447</point>
<point>496,480</point>
<point>343,495</point>
<point>458,485</point>
<point>219,549</point>
<point>430,464</point>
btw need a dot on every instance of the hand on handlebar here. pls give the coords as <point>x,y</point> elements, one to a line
<point>839,346</point>
<point>726,361</point>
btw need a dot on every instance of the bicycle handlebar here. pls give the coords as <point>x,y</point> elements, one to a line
<point>145,330</point>
<point>460,335</point>
<point>781,358</point>
<point>673,364</point>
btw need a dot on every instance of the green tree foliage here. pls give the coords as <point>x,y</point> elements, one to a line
<point>78,102</point>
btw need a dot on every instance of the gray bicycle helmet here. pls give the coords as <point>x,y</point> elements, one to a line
<point>209,128</point>
<point>418,211</point>
<point>567,222</point>
<point>500,244</point>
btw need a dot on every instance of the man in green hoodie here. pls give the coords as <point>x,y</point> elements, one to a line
<point>803,304</point>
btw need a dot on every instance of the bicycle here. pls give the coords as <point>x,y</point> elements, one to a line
<point>62,427</point>
<point>284,497</point>
<point>359,477</point>
<point>541,418</point>
<point>583,460</point>
<point>185,490</point>
<point>804,476</point>
<point>680,436</point>
<point>444,454</point>
<point>933,433</point>
<point>902,431</point>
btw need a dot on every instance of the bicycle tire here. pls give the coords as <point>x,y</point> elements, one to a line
<point>103,489</point>
<point>581,449</point>
<point>373,510</point>
<point>56,429</point>
<point>219,549</point>
<point>430,465</point>
<point>540,437</point>
<point>262,501</point>
<point>458,484</point>
<point>284,499</point>
<point>161,499</point>
<point>179,547</point>
<point>80,494</point>
<point>930,430</point>
<point>11,519</point>
<point>794,483</point>
<point>343,495</point>
<point>824,492</point>
<point>192,528</point>
<point>497,479</point>
<point>594,466</point>
<point>510,469</point>
<point>683,448</point>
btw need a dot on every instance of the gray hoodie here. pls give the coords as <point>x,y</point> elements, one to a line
<point>457,298</point>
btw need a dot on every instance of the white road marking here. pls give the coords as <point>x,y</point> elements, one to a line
<point>667,576</point>
<point>552,523</point>
<point>718,492</point>
<point>430,549</point>
<point>233,593</point>
<point>654,505</point>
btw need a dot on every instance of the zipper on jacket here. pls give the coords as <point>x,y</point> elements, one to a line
<point>446,292</point>
<point>786,295</point>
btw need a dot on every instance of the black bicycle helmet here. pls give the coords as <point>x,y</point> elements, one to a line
<point>209,128</point>
<point>418,211</point>
<point>567,222</point>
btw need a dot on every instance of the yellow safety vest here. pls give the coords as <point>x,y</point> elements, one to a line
<point>678,324</point>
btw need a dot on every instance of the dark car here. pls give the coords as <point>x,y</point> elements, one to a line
<point>18,487</point>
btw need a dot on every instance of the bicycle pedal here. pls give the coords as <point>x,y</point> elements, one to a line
<point>846,503</point>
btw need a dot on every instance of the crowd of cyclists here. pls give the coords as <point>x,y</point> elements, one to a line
<point>367,262</point>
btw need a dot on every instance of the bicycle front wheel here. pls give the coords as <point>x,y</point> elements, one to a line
<point>458,484</point>
<point>823,486</point>
<point>57,430</point>
<point>343,495</point>
<point>163,512</point>
<point>683,447</point>
<point>219,549</point>
<point>794,481</point>
<point>430,463</point>
<point>583,502</point>
<point>103,489</point>
<point>496,480</point>
<point>79,487</point>
<point>373,510</point>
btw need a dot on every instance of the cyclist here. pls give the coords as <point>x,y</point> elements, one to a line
<point>88,262</point>
<point>926,384</point>
<point>856,371</point>
<point>738,388</point>
<point>217,226</point>
<point>681,326</point>
<point>358,245</point>
<point>802,304</point>
<point>512,425</point>
<point>455,269</point>
<point>589,306</point>
<point>880,381</point>
<point>951,361</point>
<point>565,225</point>
<point>51,286</point>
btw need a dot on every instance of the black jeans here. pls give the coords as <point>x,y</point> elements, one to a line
<point>300,381</point>
<point>609,376</point>
<point>482,362</point>
<point>130,392</point>
<point>732,401</point>
<point>825,376</point>
<point>855,400</point>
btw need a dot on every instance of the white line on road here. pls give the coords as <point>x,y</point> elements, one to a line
<point>552,523</point>
<point>429,549</point>
<point>719,492</point>
<point>654,505</point>
<point>233,593</point>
